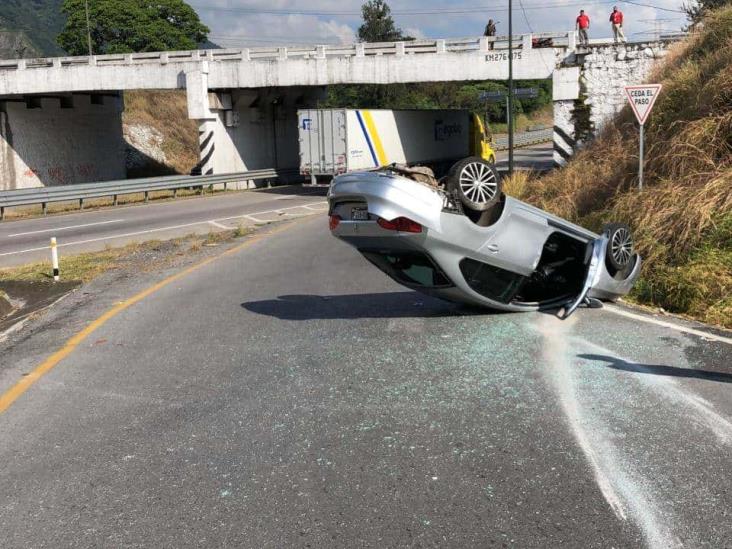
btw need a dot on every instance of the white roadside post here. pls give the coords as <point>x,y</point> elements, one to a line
<point>54,259</point>
<point>642,99</point>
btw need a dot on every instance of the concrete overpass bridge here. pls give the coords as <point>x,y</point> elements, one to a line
<point>60,118</point>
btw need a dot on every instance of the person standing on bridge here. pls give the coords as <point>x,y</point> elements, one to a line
<point>583,25</point>
<point>616,19</point>
<point>490,30</point>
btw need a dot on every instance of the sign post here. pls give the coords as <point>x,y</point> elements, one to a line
<point>642,99</point>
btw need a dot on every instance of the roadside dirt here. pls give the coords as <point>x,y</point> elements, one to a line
<point>23,298</point>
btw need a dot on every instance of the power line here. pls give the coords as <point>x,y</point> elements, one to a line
<point>436,11</point>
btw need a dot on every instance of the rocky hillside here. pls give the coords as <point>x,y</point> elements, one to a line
<point>161,138</point>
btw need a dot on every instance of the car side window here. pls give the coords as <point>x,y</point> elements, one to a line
<point>410,268</point>
<point>489,281</point>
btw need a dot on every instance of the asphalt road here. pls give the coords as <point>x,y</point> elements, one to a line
<point>535,157</point>
<point>27,240</point>
<point>290,395</point>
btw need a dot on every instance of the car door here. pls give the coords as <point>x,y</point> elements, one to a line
<point>594,267</point>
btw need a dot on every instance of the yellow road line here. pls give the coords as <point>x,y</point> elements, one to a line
<point>371,125</point>
<point>15,392</point>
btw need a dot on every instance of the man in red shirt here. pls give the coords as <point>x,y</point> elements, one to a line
<point>616,18</point>
<point>582,25</point>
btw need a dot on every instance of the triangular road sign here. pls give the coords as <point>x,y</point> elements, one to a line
<point>641,99</point>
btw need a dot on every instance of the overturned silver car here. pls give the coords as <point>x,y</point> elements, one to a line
<point>462,239</point>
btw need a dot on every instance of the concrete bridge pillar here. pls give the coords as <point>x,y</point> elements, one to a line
<point>588,90</point>
<point>60,140</point>
<point>250,129</point>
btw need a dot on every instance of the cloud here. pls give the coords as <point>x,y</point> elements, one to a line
<point>340,19</point>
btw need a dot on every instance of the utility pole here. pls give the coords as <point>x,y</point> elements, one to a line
<point>509,115</point>
<point>88,28</point>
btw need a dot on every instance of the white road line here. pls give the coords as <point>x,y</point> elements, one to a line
<point>219,225</point>
<point>677,327</point>
<point>265,212</point>
<point>255,219</point>
<point>57,229</point>
<point>150,231</point>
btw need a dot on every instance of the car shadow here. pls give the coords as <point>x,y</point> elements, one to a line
<point>659,369</point>
<point>359,306</point>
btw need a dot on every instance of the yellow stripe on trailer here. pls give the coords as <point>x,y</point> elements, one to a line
<point>380,153</point>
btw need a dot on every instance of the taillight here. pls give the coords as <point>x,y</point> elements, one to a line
<point>401,224</point>
<point>335,220</point>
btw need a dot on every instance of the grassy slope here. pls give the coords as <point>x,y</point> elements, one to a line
<point>682,220</point>
<point>167,112</point>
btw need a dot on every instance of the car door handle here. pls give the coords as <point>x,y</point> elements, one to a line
<point>493,248</point>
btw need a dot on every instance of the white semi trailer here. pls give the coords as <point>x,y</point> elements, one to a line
<point>337,141</point>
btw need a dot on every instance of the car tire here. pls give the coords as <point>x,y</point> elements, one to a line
<point>476,183</point>
<point>619,251</point>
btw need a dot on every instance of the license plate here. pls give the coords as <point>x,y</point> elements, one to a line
<point>359,214</point>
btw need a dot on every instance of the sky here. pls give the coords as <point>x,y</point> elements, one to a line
<point>236,23</point>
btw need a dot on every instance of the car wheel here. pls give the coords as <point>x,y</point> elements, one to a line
<point>620,245</point>
<point>476,183</point>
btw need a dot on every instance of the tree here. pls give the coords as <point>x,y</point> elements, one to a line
<point>697,9</point>
<point>378,24</point>
<point>128,26</point>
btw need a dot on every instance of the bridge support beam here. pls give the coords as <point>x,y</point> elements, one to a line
<point>57,140</point>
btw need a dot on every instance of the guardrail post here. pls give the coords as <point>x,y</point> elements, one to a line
<point>245,55</point>
<point>147,196</point>
<point>441,46</point>
<point>526,42</point>
<point>400,48</point>
<point>484,45</point>
<point>360,50</point>
<point>93,61</point>
<point>44,205</point>
<point>81,204</point>
<point>175,193</point>
<point>164,58</point>
<point>114,200</point>
<point>200,190</point>
<point>226,186</point>
<point>2,213</point>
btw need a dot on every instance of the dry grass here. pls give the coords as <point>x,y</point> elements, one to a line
<point>683,218</point>
<point>167,112</point>
<point>136,257</point>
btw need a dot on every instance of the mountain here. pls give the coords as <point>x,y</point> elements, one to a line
<point>28,28</point>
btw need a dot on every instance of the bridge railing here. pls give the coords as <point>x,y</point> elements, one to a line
<point>450,45</point>
<point>564,39</point>
<point>84,191</point>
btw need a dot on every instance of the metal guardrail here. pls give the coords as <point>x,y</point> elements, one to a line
<point>524,139</point>
<point>84,191</point>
